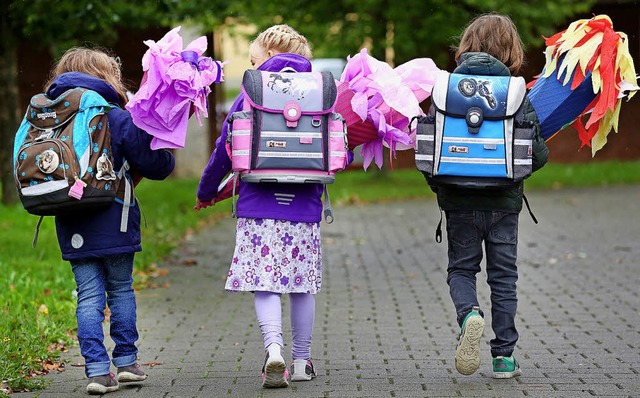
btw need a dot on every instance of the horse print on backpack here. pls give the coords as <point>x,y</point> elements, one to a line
<point>296,88</point>
<point>62,154</point>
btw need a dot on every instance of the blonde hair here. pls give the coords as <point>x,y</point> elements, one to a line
<point>94,62</point>
<point>495,35</point>
<point>283,39</point>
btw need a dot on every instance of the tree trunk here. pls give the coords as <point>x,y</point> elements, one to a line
<point>9,104</point>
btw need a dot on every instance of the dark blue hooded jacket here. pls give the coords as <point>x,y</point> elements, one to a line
<point>97,233</point>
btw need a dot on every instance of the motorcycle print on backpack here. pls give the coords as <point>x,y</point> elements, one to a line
<point>475,135</point>
<point>62,154</point>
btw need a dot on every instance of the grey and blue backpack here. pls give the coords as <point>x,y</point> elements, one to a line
<point>475,135</point>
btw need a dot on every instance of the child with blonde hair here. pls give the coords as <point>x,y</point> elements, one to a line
<point>489,46</point>
<point>277,243</point>
<point>102,256</point>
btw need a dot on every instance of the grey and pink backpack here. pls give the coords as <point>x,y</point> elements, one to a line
<point>287,131</point>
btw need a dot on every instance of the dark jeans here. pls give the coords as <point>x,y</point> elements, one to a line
<point>466,230</point>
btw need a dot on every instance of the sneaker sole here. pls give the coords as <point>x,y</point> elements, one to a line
<point>468,351</point>
<point>99,389</point>
<point>127,377</point>
<point>507,375</point>
<point>301,377</point>
<point>275,375</point>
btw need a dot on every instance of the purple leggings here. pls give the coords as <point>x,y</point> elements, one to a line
<point>269,314</point>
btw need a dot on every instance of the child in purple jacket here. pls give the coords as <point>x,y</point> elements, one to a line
<point>277,242</point>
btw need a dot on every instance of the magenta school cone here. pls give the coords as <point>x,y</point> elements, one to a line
<point>557,105</point>
<point>358,131</point>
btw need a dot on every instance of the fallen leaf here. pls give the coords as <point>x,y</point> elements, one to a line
<point>189,262</point>
<point>152,364</point>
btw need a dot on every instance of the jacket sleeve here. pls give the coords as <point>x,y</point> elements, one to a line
<point>219,164</point>
<point>136,148</point>
<point>218,167</point>
<point>540,149</point>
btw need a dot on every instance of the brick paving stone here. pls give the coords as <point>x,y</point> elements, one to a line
<point>385,326</point>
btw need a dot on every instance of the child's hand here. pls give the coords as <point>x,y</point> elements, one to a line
<point>202,204</point>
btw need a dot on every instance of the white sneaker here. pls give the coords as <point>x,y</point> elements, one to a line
<point>468,350</point>
<point>274,372</point>
<point>102,384</point>
<point>302,370</point>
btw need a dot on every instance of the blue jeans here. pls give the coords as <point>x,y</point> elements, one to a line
<point>466,230</point>
<point>102,281</point>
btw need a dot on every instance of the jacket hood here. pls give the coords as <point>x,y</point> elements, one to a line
<point>286,60</point>
<point>476,63</point>
<point>69,80</point>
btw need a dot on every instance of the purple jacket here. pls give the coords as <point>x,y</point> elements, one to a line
<point>97,233</point>
<point>260,200</point>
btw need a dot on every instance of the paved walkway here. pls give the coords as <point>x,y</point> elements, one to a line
<point>385,326</point>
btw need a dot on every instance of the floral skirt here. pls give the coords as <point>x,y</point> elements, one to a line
<point>276,256</point>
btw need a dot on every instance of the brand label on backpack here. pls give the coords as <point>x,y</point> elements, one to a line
<point>45,115</point>
<point>62,154</point>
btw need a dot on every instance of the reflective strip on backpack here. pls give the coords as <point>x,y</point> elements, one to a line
<point>296,155</point>
<point>449,159</point>
<point>463,140</point>
<point>44,188</point>
<point>420,156</point>
<point>286,134</point>
<point>241,132</point>
<point>508,147</point>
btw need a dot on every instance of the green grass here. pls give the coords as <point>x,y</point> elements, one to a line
<point>36,297</point>
<point>555,176</point>
<point>230,93</point>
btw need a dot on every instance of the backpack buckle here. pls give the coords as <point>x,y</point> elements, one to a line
<point>292,113</point>
<point>474,119</point>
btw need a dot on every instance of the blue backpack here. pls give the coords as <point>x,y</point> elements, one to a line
<point>475,135</point>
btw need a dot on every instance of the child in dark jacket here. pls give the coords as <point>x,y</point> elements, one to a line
<point>278,231</point>
<point>102,256</point>
<point>490,45</point>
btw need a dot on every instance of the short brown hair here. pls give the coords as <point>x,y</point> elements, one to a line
<point>283,39</point>
<point>95,62</point>
<point>495,35</point>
